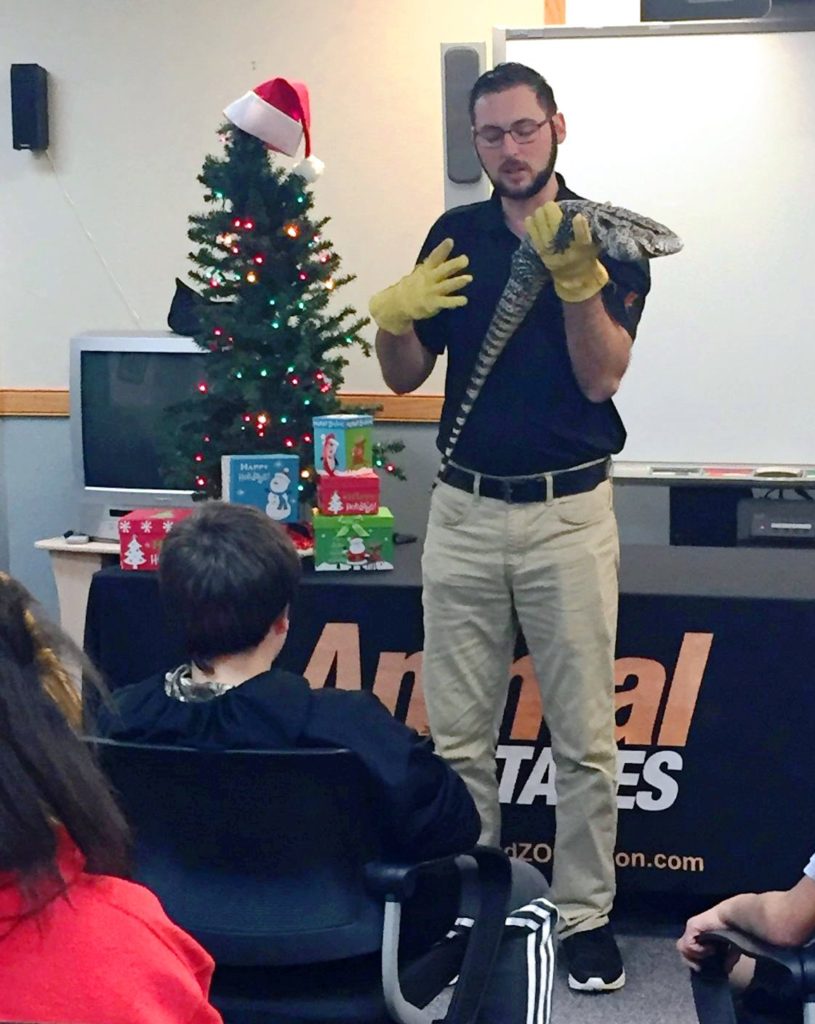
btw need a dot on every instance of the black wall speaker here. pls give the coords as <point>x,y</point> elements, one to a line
<point>29,106</point>
<point>702,10</point>
<point>462,66</point>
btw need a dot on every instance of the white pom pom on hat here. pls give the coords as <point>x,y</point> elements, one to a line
<point>277,112</point>
<point>311,168</point>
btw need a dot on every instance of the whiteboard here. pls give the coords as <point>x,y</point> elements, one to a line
<point>712,133</point>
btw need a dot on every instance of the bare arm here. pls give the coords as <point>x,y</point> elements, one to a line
<point>782,918</point>
<point>599,348</point>
<point>403,359</point>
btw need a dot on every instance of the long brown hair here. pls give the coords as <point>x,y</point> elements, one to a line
<point>48,777</point>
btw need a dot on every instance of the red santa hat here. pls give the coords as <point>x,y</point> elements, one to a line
<point>277,112</point>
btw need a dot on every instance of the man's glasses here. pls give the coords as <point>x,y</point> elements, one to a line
<point>491,136</point>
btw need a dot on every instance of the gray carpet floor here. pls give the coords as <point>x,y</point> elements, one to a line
<point>657,989</point>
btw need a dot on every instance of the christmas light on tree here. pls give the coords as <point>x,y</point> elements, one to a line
<point>266,275</point>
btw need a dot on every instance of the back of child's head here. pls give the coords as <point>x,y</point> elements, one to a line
<point>226,573</point>
<point>48,777</point>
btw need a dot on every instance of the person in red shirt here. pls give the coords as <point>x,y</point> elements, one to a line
<point>77,941</point>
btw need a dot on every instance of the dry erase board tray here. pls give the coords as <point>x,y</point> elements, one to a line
<point>697,473</point>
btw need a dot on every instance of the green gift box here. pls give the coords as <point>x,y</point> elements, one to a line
<point>353,542</point>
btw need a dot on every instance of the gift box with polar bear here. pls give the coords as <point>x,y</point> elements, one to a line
<point>269,482</point>
<point>353,542</point>
<point>343,442</point>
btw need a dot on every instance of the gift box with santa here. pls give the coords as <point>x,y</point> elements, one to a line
<point>353,542</point>
<point>342,442</point>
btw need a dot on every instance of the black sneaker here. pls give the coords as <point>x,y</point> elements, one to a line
<point>595,964</point>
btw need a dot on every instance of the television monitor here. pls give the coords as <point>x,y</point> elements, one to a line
<point>120,383</point>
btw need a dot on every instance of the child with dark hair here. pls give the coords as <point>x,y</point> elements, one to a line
<point>77,941</point>
<point>227,576</point>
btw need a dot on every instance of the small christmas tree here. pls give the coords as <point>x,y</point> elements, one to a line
<point>277,353</point>
<point>134,555</point>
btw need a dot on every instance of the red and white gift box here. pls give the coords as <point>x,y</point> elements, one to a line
<point>141,534</point>
<point>348,493</point>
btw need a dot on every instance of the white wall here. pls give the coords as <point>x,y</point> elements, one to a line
<point>136,93</point>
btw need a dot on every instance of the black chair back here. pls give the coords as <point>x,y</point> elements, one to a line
<point>260,855</point>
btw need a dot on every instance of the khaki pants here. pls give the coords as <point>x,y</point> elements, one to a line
<point>550,567</point>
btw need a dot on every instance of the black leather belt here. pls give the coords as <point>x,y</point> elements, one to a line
<point>518,490</point>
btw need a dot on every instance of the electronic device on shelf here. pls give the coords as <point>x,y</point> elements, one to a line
<point>777,522</point>
<point>120,383</point>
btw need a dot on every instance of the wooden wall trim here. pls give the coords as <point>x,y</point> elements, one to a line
<point>554,12</point>
<point>33,402</point>
<point>38,402</point>
<point>399,408</point>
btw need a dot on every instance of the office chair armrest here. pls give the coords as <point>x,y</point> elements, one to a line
<point>794,958</point>
<point>495,882</point>
<point>396,881</point>
<point>711,988</point>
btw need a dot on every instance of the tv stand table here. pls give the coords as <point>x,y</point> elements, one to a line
<point>73,566</point>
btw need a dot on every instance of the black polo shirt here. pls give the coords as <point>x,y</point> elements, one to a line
<point>530,416</point>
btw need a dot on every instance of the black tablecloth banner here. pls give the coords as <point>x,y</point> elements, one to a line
<point>716,715</point>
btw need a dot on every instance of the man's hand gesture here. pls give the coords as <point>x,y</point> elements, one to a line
<point>428,289</point>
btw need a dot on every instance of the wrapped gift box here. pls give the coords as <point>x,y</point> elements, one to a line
<point>269,482</point>
<point>353,542</point>
<point>343,442</point>
<point>141,534</point>
<point>348,493</point>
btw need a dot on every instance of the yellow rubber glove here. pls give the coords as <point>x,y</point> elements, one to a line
<point>422,293</point>
<point>573,264</point>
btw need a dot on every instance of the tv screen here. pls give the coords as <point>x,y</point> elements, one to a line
<point>123,397</point>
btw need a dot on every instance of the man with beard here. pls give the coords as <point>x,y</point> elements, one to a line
<point>522,529</point>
